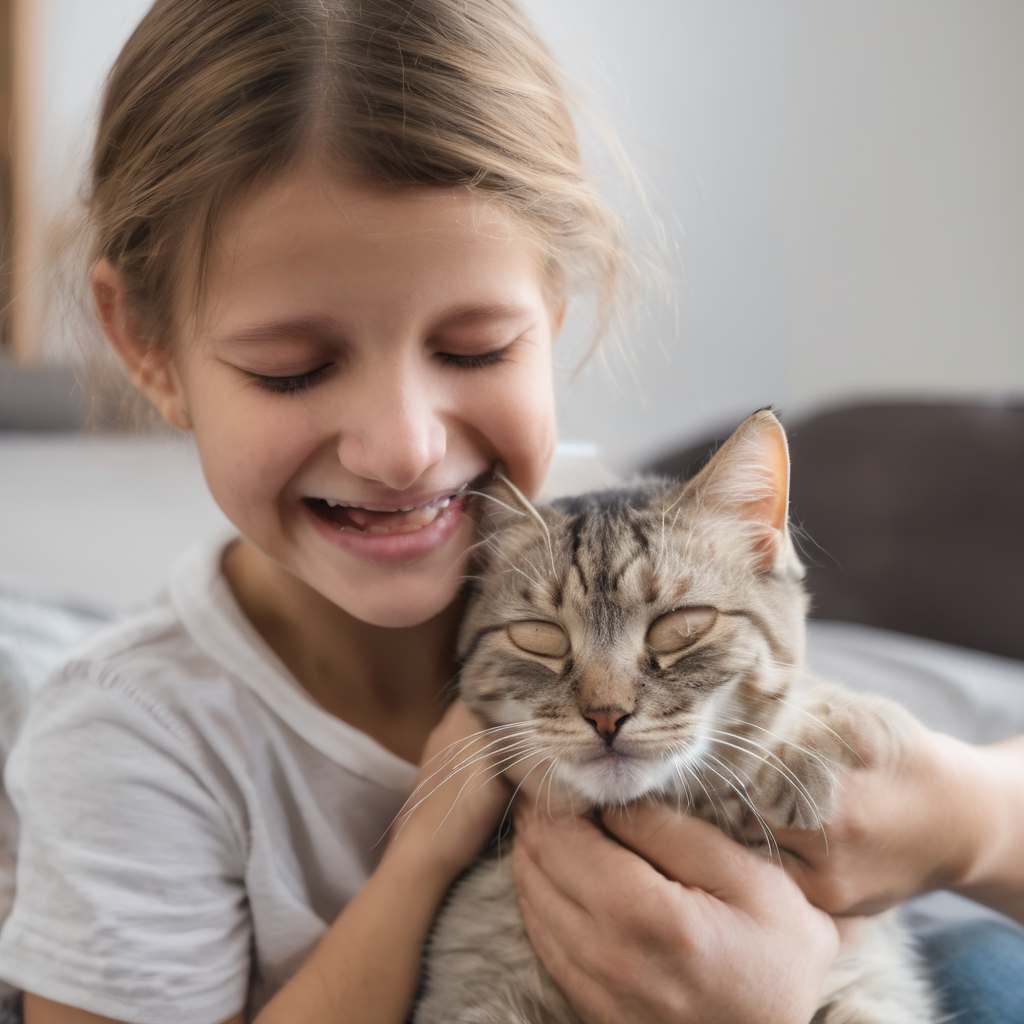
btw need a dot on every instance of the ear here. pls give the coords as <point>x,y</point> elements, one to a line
<point>747,482</point>
<point>149,367</point>
<point>558,320</point>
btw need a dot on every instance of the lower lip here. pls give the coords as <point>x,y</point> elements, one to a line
<point>395,547</point>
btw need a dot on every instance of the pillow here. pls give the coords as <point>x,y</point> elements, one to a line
<point>35,636</point>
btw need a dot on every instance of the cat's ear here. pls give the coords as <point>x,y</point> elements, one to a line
<point>746,484</point>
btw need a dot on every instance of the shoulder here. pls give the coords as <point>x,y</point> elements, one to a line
<point>142,707</point>
<point>145,668</point>
<point>173,661</point>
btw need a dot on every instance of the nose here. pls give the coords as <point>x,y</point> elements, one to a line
<point>391,431</point>
<point>606,721</point>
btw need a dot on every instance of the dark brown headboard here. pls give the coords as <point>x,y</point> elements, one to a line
<point>910,516</point>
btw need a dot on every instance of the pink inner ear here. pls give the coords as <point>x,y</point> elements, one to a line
<point>778,465</point>
<point>749,478</point>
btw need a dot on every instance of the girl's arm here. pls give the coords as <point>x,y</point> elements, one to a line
<point>946,815</point>
<point>366,968</point>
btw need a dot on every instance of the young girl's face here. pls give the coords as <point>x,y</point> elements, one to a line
<point>362,357</point>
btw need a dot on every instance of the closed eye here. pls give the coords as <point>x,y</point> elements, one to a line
<point>473,362</point>
<point>297,383</point>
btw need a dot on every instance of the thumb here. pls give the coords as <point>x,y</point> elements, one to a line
<point>690,851</point>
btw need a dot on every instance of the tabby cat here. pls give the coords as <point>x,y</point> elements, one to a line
<point>649,641</point>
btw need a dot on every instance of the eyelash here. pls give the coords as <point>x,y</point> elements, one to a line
<point>473,362</point>
<point>298,383</point>
<point>284,385</point>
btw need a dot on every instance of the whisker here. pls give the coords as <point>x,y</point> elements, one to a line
<point>741,792</point>
<point>532,511</point>
<point>815,718</point>
<point>707,793</point>
<point>406,812</point>
<point>796,746</point>
<point>540,786</point>
<point>783,770</point>
<point>515,792</point>
<point>467,742</point>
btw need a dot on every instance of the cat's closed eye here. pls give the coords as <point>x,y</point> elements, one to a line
<point>539,637</point>
<point>676,630</point>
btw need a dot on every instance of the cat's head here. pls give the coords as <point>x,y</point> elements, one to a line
<point>612,632</point>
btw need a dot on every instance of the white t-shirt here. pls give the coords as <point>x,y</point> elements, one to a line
<point>191,819</point>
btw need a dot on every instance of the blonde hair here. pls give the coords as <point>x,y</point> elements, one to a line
<point>210,97</point>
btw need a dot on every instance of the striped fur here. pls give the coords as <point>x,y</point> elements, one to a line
<point>729,726</point>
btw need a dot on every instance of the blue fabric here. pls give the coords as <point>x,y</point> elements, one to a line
<point>979,971</point>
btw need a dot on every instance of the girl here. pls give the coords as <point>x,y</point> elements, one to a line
<point>334,240</point>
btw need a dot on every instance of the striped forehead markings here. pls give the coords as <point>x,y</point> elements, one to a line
<point>641,538</point>
<point>575,541</point>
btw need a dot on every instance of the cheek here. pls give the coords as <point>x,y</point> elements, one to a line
<point>249,451</point>
<point>517,419</point>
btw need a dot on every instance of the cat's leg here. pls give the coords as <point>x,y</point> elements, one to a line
<point>879,979</point>
<point>822,732</point>
<point>479,966</point>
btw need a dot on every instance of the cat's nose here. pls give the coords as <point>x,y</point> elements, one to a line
<point>607,721</point>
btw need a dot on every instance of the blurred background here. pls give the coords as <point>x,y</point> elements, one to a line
<point>839,184</point>
<point>833,188</point>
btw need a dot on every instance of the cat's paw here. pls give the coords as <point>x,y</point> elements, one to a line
<point>796,784</point>
<point>798,778</point>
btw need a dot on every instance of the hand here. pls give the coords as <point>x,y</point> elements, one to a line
<point>458,801</point>
<point>684,925</point>
<point>907,821</point>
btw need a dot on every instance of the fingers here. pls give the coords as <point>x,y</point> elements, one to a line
<point>564,915</point>
<point>552,936</point>
<point>833,876</point>
<point>581,860</point>
<point>594,931</point>
<point>689,850</point>
<point>631,933</point>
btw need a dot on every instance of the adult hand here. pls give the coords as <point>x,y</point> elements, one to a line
<point>458,799</point>
<point>933,812</point>
<point>680,924</point>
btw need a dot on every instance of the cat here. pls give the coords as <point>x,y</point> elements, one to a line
<point>649,642</point>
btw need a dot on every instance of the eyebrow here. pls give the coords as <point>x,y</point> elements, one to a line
<point>472,312</point>
<point>324,328</point>
<point>320,328</point>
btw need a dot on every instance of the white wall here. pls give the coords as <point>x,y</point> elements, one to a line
<point>839,181</point>
<point>76,43</point>
<point>844,182</point>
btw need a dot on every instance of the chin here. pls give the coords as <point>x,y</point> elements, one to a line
<point>613,780</point>
<point>399,607</point>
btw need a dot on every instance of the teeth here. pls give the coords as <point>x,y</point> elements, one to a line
<point>436,505</point>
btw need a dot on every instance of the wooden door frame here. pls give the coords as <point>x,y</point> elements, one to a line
<point>25,313</point>
<point>6,171</point>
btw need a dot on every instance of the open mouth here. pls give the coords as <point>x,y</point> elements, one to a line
<point>384,521</point>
